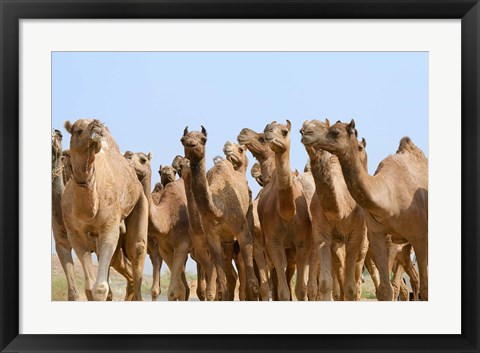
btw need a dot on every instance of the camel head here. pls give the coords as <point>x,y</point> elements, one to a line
<point>157,188</point>
<point>87,136</point>
<point>167,174</point>
<point>67,164</point>
<point>235,154</point>
<point>256,173</point>
<point>140,162</point>
<point>176,164</point>
<point>362,153</point>
<point>255,143</point>
<point>278,136</point>
<point>56,144</point>
<point>194,144</point>
<point>338,139</point>
<point>184,166</point>
<point>312,131</point>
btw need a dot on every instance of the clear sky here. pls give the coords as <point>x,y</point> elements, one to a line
<point>147,98</point>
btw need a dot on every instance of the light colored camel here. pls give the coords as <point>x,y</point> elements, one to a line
<point>284,215</point>
<point>206,274</point>
<point>167,223</point>
<point>62,245</point>
<point>167,174</point>
<point>102,193</point>
<point>395,199</point>
<point>237,155</point>
<point>223,200</point>
<point>336,218</point>
<point>259,148</point>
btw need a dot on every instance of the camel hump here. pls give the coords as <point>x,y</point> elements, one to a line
<point>406,144</point>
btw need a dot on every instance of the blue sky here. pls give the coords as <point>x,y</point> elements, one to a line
<point>147,98</point>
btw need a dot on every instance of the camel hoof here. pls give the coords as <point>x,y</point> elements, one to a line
<point>89,294</point>
<point>101,291</point>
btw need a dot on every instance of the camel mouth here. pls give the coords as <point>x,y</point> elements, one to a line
<point>191,144</point>
<point>275,142</point>
<point>228,152</point>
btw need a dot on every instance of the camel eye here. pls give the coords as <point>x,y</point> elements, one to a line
<point>335,132</point>
<point>143,160</point>
<point>78,132</point>
<point>285,132</point>
<point>261,139</point>
<point>204,140</point>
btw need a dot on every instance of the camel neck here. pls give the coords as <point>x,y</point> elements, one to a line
<point>58,184</point>
<point>84,184</point>
<point>283,180</point>
<point>193,216</point>
<point>201,191</point>
<point>361,185</point>
<point>330,187</point>
<point>158,215</point>
<point>267,167</point>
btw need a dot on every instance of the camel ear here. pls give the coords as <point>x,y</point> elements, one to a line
<point>204,131</point>
<point>185,131</point>
<point>351,127</point>
<point>327,122</point>
<point>289,125</point>
<point>296,172</point>
<point>128,154</point>
<point>364,142</point>
<point>159,168</point>
<point>68,126</point>
<point>149,156</point>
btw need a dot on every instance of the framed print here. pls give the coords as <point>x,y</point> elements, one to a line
<point>122,84</point>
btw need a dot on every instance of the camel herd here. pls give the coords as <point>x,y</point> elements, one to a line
<point>325,224</point>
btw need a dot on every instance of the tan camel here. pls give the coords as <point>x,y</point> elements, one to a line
<point>259,148</point>
<point>256,173</point>
<point>223,200</point>
<point>284,215</point>
<point>102,193</point>
<point>168,224</point>
<point>62,245</point>
<point>237,155</point>
<point>395,199</point>
<point>336,218</point>
<point>167,174</point>
<point>206,274</point>
<point>119,260</point>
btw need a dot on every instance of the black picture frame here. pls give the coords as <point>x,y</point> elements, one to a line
<point>12,11</point>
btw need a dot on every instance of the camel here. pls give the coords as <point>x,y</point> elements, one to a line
<point>102,193</point>
<point>284,215</point>
<point>336,218</point>
<point>236,154</point>
<point>167,224</point>
<point>259,148</point>
<point>223,200</point>
<point>167,174</point>
<point>256,173</point>
<point>206,274</point>
<point>395,199</point>
<point>62,245</point>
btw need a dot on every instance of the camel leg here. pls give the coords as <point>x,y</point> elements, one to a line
<point>156,259</point>
<point>378,245</point>
<point>291,266</point>
<point>107,243</point>
<point>245,241</point>
<point>338,264</point>
<point>261,261</point>
<point>136,242</point>
<point>325,280</point>
<point>242,275</point>
<point>183,276</point>
<point>406,262</point>
<point>421,252</point>
<point>404,294</point>
<point>336,288</point>
<point>274,283</point>
<point>360,263</point>
<point>397,279</point>
<point>303,259</point>
<point>64,252</point>
<point>215,250</point>
<point>352,265</point>
<point>313,272</point>
<point>178,284</point>
<point>201,283</point>
<point>123,266</point>
<point>372,269</point>
<point>82,250</point>
<point>203,259</point>
<point>279,259</point>
<point>230,270</point>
